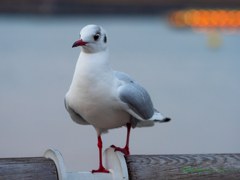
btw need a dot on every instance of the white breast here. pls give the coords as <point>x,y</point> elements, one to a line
<point>93,94</point>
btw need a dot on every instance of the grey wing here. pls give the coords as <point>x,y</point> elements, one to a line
<point>139,101</point>
<point>123,76</point>
<point>75,116</point>
<point>135,96</point>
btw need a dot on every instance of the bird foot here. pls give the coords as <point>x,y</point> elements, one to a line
<point>125,150</point>
<point>100,170</point>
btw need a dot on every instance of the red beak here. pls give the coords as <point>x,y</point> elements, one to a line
<point>79,43</point>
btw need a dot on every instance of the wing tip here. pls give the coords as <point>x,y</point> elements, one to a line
<point>167,119</point>
<point>164,120</point>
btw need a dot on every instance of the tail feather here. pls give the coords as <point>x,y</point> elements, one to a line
<point>157,116</point>
<point>164,120</point>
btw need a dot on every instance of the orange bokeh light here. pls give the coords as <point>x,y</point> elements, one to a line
<point>206,18</point>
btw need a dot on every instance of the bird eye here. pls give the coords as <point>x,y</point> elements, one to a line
<point>96,37</point>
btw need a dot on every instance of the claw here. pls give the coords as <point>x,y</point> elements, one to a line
<point>100,170</point>
<point>125,150</point>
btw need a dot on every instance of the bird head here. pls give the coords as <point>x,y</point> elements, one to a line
<point>93,39</point>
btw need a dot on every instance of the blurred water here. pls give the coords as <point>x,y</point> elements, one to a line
<point>196,86</point>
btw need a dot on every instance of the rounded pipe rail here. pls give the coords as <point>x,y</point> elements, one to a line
<point>135,167</point>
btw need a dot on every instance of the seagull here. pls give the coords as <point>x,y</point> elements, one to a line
<point>104,98</point>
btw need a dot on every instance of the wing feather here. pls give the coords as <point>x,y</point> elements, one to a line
<point>139,102</point>
<point>75,116</point>
<point>135,96</point>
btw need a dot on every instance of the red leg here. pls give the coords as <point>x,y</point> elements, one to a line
<point>101,168</point>
<point>125,150</point>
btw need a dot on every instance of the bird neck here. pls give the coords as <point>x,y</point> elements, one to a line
<point>93,62</point>
<point>91,66</point>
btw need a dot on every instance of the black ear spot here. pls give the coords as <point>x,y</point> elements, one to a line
<point>105,38</point>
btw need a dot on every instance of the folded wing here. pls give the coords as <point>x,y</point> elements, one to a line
<point>138,102</point>
<point>75,116</point>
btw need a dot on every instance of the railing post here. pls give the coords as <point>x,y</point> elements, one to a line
<point>113,161</point>
<point>57,158</point>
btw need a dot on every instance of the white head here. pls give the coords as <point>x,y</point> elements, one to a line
<point>93,39</point>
